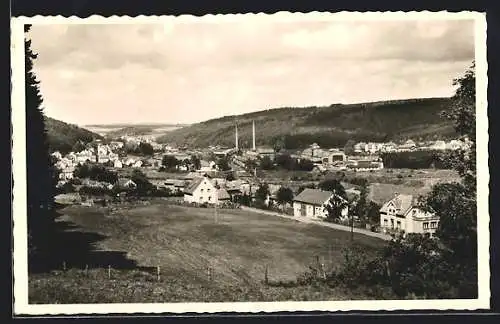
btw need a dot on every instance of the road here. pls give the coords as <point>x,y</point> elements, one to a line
<point>319,222</point>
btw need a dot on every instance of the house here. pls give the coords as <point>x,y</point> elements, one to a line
<point>333,157</point>
<point>402,214</point>
<point>201,190</point>
<point>312,202</point>
<point>117,164</point>
<point>365,165</point>
<point>360,147</point>
<point>124,183</point>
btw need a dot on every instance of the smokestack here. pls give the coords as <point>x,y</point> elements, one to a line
<point>253,133</point>
<point>236,134</point>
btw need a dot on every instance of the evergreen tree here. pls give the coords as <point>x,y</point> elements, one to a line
<point>40,170</point>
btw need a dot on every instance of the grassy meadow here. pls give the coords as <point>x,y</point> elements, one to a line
<point>112,254</point>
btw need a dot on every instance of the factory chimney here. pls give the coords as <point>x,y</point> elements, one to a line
<point>236,134</point>
<point>253,133</point>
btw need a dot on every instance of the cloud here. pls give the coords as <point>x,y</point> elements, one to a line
<point>186,72</point>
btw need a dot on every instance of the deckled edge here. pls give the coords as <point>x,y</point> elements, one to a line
<point>20,285</point>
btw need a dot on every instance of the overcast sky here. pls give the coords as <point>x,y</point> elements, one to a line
<point>189,72</point>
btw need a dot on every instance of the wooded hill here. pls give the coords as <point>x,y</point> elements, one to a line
<point>63,136</point>
<point>329,126</point>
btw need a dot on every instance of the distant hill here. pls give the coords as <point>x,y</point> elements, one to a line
<point>63,136</point>
<point>330,126</point>
<point>117,130</point>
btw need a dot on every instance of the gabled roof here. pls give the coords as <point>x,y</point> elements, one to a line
<point>222,194</point>
<point>191,187</point>
<point>313,196</point>
<point>402,203</point>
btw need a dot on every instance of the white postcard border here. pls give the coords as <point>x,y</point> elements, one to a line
<point>20,272</point>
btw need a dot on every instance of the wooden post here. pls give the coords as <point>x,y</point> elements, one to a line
<point>323,272</point>
<point>64,265</point>
<point>158,272</point>
<point>109,272</point>
<point>209,272</point>
<point>388,269</point>
<point>86,269</point>
<point>266,275</point>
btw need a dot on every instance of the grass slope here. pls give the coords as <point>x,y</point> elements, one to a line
<point>328,126</point>
<point>184,242</point>
<point>62,136</point>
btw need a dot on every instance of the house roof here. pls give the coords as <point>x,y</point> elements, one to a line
<point>191,187</point>
<point>402,203</point>
<point>313,196</point>
<point>222,194</point>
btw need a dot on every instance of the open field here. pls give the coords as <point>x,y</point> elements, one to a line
<point>185,242</point>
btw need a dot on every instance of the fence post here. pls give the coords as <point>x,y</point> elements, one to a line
<point>64,265</point>
<point>266,275</point>
<point>388,269</point>
<point>158,272</point>
<point>209,272</point>
<point>109,272</point>
<point>86,270</point>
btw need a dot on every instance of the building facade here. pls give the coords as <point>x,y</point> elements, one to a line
<point>401,214</point>
<point>312,203</point>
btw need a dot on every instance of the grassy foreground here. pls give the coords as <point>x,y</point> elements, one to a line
<point>201,257</point>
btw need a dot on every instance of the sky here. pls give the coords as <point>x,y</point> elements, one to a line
<point>186,72</point>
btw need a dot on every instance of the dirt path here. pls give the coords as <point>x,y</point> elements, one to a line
<point>319,222</point>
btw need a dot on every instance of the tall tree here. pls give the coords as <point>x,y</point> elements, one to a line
<point>40,170</point>
<point>456,203</point>
<point>170,162</point>
<point>349,147</point>
<point>333,185</point>
<point>195,161</point>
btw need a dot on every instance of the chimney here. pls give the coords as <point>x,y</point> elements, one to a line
<point>253,133</point>
<point>236,137</point>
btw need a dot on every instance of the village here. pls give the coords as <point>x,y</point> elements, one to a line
<point>221,176</point>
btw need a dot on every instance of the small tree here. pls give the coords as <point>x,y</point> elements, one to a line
<point>335,206</point>
<point>170,162</point>
<point>262,193</point>
<point>266,163</point>
<point>349,147</point>
<point>195,161</point>
<point>146,148</point>
<point>284,195</point>
<point>223,164</point>
<point>144,187</point>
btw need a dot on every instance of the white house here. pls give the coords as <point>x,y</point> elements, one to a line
<point>402,214</point>
<point>312,202</point>
<point>439,145</point>
<point>201,190</point>
<point>117,164</point>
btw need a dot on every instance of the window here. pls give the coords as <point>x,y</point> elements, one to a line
<point>433,224</point>
<point>201,198</point>
<point>426,225</point>
<point>209,198</point>
<point>398,224</point>
<point>392,223</point>
<point>385,222</point>
<point>201,190</point>
<point>414,212</point>
<point>208,190</point>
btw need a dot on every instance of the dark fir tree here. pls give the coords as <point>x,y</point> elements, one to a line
<point>40,170</point>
